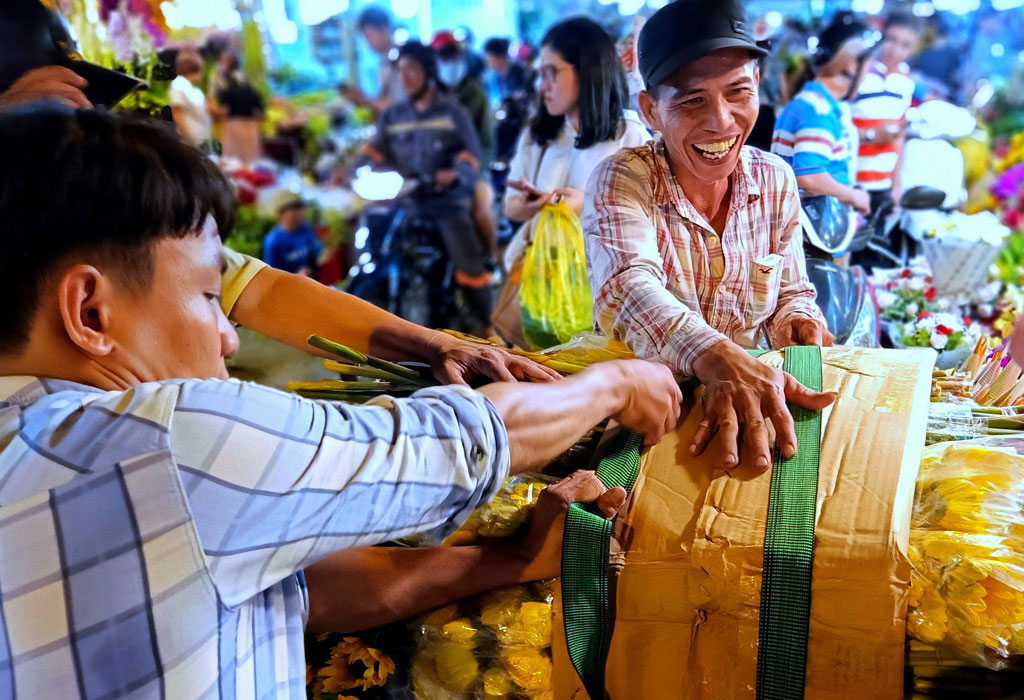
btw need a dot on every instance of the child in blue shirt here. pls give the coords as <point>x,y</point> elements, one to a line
<point>292,245</point>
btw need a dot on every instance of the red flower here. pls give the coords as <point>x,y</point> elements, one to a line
<point>905,272</point>
<point>943,330</point>
<point>891,285</point>
<point>967,320</point>
<point>923,315</point>
<point>929,279</point>
<point>929,294</point>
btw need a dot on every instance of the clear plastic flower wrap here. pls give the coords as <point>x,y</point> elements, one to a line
<point>508,513</point>
<point>495,646</point>
<point>967,550</point>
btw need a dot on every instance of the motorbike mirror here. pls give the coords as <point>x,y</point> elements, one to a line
<point>922,197</point>
<point>377,186</point>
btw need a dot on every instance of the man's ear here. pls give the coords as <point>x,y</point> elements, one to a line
<point>85,299</point>
<point>646,102</point>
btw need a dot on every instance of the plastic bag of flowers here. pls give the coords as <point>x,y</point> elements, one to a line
<point>495,646</point>
<point>967,550</point>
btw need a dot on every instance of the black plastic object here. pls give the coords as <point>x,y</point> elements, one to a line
<point>841,292</point>
<point>33,35</point>
<point>922,197</point>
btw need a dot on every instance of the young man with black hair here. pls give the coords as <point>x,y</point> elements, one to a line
<point>693,240</point>
<point>272,302</point>
<point>156,518</point>
<point>430,139</point>
<point>374,24</point>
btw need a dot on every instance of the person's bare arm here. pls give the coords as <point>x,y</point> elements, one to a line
<point>544,421</point>
<point>356,589</point>
<point>290,308</point>
<point>823,183</point>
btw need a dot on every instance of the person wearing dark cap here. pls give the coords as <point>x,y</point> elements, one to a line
<point>815,132</point>
<point>430,139</point>
<point>693,241</point>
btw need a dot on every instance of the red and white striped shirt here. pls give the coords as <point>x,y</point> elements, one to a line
<point>666,283</point>
<point>882,102</point>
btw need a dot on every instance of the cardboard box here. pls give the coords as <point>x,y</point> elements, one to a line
<point>687,552</point>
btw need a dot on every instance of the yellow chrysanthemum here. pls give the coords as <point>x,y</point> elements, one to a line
<point>529,668</point>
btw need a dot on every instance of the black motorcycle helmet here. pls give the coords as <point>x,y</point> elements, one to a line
<point>845,31</point>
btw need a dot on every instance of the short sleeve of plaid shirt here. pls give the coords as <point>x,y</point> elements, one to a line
<point>654,283</point>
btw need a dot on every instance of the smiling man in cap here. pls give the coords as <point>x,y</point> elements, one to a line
<point>693,240</point>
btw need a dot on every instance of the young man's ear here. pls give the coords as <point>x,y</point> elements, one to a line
<point>85,300</point>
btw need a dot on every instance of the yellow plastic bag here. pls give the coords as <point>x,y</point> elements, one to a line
<point>554,294</point>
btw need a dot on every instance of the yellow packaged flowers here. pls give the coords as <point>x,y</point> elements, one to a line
<point>966,549</point>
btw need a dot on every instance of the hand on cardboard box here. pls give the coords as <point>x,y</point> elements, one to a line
<point>542,548</point>
<point>801,330</point>
<point>741,393</point>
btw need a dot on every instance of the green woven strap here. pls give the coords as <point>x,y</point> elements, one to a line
<point>585,549</point>
<point>585,544</point>
<point>789,547</point>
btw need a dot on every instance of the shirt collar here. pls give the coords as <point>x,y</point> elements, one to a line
<point>25,389</point>
<point>668,190</point>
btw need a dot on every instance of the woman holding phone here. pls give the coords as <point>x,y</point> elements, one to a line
<point>581,119</point>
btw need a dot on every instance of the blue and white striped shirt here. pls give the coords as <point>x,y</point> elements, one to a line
<point>814,133</point>
<point>152,540</point>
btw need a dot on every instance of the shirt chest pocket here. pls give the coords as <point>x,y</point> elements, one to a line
<point>763,291</point>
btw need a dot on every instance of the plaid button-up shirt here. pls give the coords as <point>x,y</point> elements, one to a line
<point>666,283</point>
<point>152,540</point>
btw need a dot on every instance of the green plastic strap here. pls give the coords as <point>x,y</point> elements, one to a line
<point>585,549</point>
<point>789,547</point>
<point>586,539</point>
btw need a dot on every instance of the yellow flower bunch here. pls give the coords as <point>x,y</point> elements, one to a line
<point>967,551</point>
<point>507,514</point>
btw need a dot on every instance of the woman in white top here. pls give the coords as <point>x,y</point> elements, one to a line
<point>188,103</point>
<point>581,120</point>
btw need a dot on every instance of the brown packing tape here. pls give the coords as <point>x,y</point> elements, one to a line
<point>687,552</point>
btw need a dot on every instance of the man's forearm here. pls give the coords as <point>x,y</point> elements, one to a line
<point>356,589</point>
<point>544,420</point>
<point>823,183</point>
<point>290,308</point>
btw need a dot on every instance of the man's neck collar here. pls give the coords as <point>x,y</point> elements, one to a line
<point>424,101</point>
<point>744,186</point>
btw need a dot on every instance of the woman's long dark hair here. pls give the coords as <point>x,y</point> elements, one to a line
<point>584,45</point>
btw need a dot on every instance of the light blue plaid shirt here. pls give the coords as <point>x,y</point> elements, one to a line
<point>152,541</point>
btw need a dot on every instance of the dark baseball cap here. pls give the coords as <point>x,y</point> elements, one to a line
<point>685,30</point>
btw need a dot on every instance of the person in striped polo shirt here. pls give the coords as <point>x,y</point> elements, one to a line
<point>814,132</point>
<point>880,110</point>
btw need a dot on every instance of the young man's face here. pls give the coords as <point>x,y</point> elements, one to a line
<point>898,44</point>
<point>379,38</point>
<point>175,328</point>
<point>412,76</point>
<point>291,218</point>
<point>496,63</point>
<point>705,112</point>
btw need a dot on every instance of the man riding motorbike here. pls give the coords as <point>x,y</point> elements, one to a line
<point>431,140</point>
